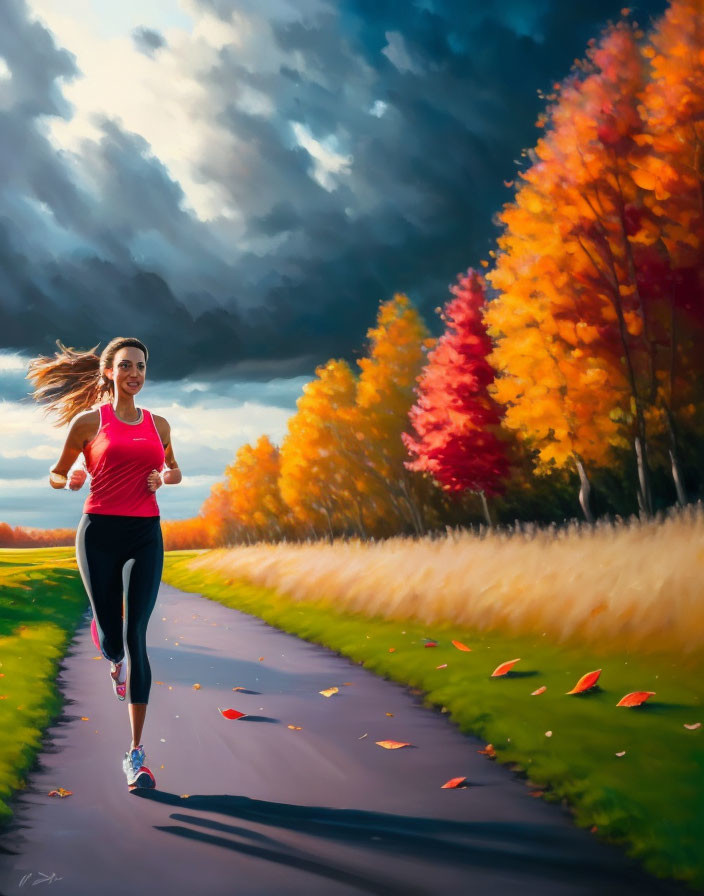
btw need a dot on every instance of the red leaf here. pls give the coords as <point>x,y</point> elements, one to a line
<point>585,682</point>
<point>430,644</point>
<point>504,668</point>
<point>460,646</point>
<point>489,751</point>
<point>231,713</point>
<point>635,698</point>
<point>454,782</point>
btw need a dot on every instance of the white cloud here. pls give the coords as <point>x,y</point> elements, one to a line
<point>327,160</point>
<point>397,53</point>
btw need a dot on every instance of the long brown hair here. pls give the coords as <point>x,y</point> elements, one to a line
<point>74,381</point>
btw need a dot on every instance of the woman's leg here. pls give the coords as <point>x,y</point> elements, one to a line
<point>99,562</point>
<point>142,578</point>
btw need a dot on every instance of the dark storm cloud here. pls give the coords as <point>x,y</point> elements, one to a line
<point>147,41</point>
<point>430,102</point>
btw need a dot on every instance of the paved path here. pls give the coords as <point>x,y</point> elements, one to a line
<point>275,811</point>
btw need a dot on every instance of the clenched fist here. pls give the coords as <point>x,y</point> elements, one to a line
<point>154,481</point>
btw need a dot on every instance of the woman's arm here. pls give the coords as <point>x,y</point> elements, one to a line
<point>72,448</point>
<point>172,476</point>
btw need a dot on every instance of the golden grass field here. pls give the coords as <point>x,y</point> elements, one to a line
<point>635,585</point>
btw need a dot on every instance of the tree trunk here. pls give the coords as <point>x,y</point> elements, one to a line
<point>584,491</point>
<point>485,505</point>
<point>644,496</point>
<point>674,456</point>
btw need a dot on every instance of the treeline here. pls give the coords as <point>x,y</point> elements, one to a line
<point>21,537</point>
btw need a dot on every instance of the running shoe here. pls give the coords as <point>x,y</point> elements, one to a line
<point>119,686</point>
<point>138,775</point>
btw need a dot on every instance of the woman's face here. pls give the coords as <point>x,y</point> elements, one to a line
<point>128,371</point>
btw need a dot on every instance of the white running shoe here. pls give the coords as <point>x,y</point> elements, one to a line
<point>119,685</point>
<point>137,773</point>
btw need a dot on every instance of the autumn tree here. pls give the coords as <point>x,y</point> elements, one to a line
<point>456,421</point>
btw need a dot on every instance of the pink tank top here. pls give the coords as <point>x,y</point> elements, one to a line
<point>119,459</point>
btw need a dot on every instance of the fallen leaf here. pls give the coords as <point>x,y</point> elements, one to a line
<point>548,734</point>
<point>504,668</point>
<point>392,744</point>
<point>430,644</point>
<point>442,666</point>
<point>85,718</point>
<point>460,646</point>
<point>540,690</point>
<point>196,687</point>
<point>295,727</point>
<point>346,682</point>
<point>60,792</point>
<point>622,753</point>
<point>392,649</point>
<point>184,796</point>
<point>455,782</point>
<point>261,659</point>
<point>239,688</point>
<point>585,682</point>
<point>328,692</point>
<point>231,713</point>
<point>488,751</point>
<point>363,736</point>
<point>536,793</point>
<point>693,726</point>
<point>389,714</point>
<point>158,682</point>
<point>635,698</point>
<point>593,829</point>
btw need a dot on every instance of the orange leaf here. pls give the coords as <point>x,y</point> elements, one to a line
<point>392,649</point>
<point>328,692</point>
<point>196,687</point>
<point>635,698</point>
<point>392,744</point>
<point>231,713</point>
<point>454,782</point>
<point>389,714</point>
<point>693,726</point>
<point>261,659</point>
<point>239,688</point>
<point>488,751</point>
<point>460,646</point>
<point>347,682</point>
<point>85,718</point>
<point>295,727</point>
<point>539,691</point>
<point>442,666</point>
<point>60,792</point>
<point>585,682</point>
<point>504,668</point>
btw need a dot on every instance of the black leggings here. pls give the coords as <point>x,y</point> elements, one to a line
<point>116,555</point>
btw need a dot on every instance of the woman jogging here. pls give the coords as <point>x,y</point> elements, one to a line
<point>119,547</point>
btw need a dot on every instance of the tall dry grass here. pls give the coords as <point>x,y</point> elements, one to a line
<point>636,585</point>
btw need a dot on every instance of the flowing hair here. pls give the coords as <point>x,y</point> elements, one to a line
<point>74,381</point>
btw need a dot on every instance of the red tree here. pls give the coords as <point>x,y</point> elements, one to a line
<point>456,420</point>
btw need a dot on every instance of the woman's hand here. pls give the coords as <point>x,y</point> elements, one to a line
<point>153,481</point>
<point>77,479</point>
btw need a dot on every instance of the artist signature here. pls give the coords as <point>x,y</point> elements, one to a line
<point>42,879</point>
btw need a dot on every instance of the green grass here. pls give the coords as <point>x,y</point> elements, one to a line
<point>42,601</point>
<point>651,800</point>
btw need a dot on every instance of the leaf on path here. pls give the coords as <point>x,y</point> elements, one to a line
<point>540,690</point>
<point>346,683</point>
<point>96,657</point>
<point>488,751</point>
<point>504,668</point>
<point>635,698</point>
<point>622,753</point>
<point>231,713</point>
<point>536,793</point>
<point>693,726</point>
<point>328,692</point>
<point>363,736</point>
<point>196,687</point>
<point>585,682</point>
<point>455,782</point>
<point>442,666</point>
<point>460,646</point>
<point>261,659</point>
<point>239,688</point>
<point>60,792</point>
<point>389,714</point>
<point>158,682</point>
<point>392,744</point>
<point>295,727</point>
<point>85,718</point>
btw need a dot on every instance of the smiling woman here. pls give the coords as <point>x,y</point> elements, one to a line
<point>119,544</point>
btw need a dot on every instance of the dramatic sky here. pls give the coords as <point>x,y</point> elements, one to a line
<point>239,183</point>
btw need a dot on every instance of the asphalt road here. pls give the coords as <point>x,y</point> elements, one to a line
<point>250,806</point>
